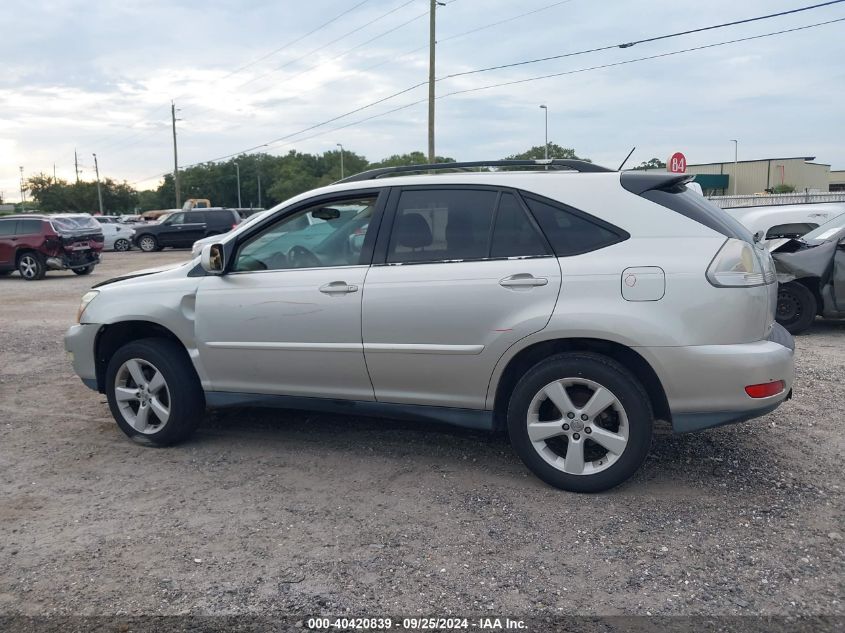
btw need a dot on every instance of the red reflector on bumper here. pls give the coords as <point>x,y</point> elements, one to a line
<point>766,389</point>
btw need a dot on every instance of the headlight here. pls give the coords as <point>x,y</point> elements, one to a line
<point>736,265</point>
<point>87,298</point>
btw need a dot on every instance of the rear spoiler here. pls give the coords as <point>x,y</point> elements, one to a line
<point>638,182</point>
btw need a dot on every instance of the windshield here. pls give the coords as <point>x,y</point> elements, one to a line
<point>74,223</point>
<point>826,231</point>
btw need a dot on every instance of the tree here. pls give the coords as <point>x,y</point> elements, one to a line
<point>412,158</point>
<point>58,195</point>
<point>653,163</point>
<point>539,151</point>
<point>784,188</point>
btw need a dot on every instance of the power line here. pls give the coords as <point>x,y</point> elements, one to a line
<point>488,87</point>
<point>642,41</point>
<point>194,111</point>
<point>243,67</point>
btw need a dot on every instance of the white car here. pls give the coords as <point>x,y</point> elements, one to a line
<point>117,237</point>
<point>571,307</point>
<point>773,222</point>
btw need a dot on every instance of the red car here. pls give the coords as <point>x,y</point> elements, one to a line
<point>33,244</point>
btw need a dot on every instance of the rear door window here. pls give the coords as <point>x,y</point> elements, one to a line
<point>442,225</point>
<point>572,232</point>
<point>514,234</point>
<point>28,227</point>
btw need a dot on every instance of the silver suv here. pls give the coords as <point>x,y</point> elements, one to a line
<point>571,305</point>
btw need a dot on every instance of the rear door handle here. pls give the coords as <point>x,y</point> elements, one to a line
<point>523,280</point>
<point>338,287</point>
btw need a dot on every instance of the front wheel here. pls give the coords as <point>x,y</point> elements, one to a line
<point>148,243</point>
<point>153,391</point>
<point>797,307</point>
<point>85,270</point>
<point>580,422</point>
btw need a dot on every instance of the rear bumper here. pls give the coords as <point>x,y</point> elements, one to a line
<point>71,260</point>
<point>79,342</point>
<point>705,384</point>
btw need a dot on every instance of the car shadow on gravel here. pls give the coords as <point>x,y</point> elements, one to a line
<point>728,459</point>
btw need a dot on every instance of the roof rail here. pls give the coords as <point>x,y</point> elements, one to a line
<point>567,164</point>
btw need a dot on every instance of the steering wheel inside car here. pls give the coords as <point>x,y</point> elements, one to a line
<point>301,257</point>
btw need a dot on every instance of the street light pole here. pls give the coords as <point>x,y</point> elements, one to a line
<point>23,199</point>
<point>259,191</point>
<point>238,170</point>
<point>736,157</point>
<point>99,189</point>
<point>546,146</point>
<point>175,157</point>
<point>340,145</point>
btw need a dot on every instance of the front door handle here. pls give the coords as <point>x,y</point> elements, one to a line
<point>523,280</point>
<point>338,287</point>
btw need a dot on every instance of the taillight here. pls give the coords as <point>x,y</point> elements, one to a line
<point>766,389</point>
<point>737,265</point>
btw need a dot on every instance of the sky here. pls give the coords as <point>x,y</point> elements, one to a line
<point>99,76</point>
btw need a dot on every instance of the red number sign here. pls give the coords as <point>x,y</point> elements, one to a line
<point>677,163</point>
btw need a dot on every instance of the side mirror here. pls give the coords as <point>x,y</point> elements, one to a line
<point>212,259</point>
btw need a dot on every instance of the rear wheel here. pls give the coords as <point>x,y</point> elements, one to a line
<point>31,266</point>
<point>148,243</point>
<point>580,421</point>
<point>797,307</point>
<point>153,391</point>
<point>122,245</point>
<point>85,270</point>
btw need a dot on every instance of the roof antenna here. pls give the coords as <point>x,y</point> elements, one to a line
<point>626,158</point>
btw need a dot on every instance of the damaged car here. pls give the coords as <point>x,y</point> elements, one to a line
<point>811,274</point>
<point>33,244</point>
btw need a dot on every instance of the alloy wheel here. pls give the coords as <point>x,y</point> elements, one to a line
<point>142,396</point>
<point>28,266</point>
<point>147,244</point>
<point>121,245</point>
<point>577,426</point>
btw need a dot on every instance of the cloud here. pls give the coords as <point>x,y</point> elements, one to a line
<point>99,77</point>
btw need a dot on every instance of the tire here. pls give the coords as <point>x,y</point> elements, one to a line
<point>573,378</point>
<point>148,243</point>
<point>796,308</point>
<point>31,266</point>
<point>84,271</point>
<point>180,396</point>
<point>122,245</point>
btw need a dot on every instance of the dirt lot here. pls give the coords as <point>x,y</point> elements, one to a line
<point>306,514</point>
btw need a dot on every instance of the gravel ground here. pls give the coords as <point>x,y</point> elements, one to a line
<point>300,513</point>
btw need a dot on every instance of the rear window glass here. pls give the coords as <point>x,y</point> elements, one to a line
<point>568,231</point>
<point>74,223</point>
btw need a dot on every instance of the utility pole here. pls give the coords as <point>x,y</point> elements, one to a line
<point>736,156</point>
<point>99,189</point>
<point>23,197</point>
<point>238,170</point>
<point>76,166</point>
<point>341,160</point>
<point>54,173</point>
<point>175,157</point>
<point>259,191</point>
<point>431,43</point>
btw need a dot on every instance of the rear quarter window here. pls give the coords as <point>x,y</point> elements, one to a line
<point>570,231</point>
